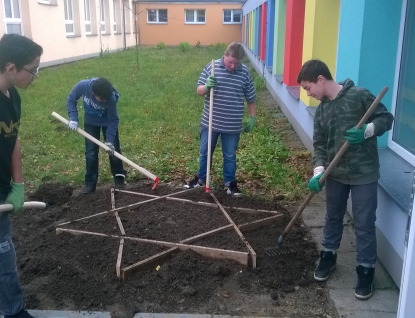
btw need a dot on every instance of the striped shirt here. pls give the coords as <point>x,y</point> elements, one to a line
<point>228,97</point>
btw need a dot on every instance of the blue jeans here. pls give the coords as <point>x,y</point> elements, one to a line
<point>364,204</point>
<point>229,146</point>
<point>91,155</point>
<point>11,296</point>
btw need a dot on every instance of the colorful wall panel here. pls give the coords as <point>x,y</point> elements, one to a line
<point>320,36</point>
<point>270,33</point>
<point>293,41</point>
<point>279,37</point>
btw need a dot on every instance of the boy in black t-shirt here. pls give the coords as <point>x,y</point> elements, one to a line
<point>19,64</point>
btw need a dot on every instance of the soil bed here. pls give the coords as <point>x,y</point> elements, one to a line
<point>68,272</point>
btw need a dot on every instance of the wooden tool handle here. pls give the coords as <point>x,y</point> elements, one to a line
<point>209,155</point>
<point>6,207</point>
<point>106,148</point>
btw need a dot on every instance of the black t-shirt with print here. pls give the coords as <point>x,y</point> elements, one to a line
<point>10,112</point>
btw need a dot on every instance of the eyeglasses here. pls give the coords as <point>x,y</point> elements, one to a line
<point>35,74</point>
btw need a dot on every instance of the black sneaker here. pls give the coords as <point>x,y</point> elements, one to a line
<point>194,183</point>
<point>88,189</point>
<point>364,287</point>
<point>326,265</point>
<point>233,190</point>
<point>119,181</point>
<point>21,314</point>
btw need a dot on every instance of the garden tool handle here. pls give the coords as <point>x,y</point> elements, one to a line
<point>106,148</point>
<point>209,154</point>
<point>333,163</point>
<point>7,207</point>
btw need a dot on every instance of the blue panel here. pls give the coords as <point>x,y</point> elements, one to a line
<point>270,33</point>
<point>379,48</point>
<point>350,37</point>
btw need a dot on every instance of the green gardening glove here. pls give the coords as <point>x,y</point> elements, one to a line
<point>210,82</point>
<point>16,197</point>
<point>249,125</point>
<point>356,136</point>
<point>314,183</point>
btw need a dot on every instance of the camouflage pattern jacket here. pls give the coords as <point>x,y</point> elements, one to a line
<point>360,163</point>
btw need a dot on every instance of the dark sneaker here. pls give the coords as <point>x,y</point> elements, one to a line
<point>88,189</point>
<point>119,181</point>
<point>194,183</point>
<point>21,314</point>
<point>326,265</point>
<point>233,190</point>
<point>364,287</point>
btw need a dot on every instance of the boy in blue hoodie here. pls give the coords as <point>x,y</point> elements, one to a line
<point>100,105</point>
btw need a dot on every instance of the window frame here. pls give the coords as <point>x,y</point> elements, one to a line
<point>88,22</point>
<point>67,20</point>
<point>195,16</point>
<point>232,16</point>
<point>102,24</point>
<point>13,20</point>
<point>157,16</point>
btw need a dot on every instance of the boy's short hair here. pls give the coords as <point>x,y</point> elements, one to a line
<point>311,70</point>
<point>236,50</point>
<point>102,88</point>
<point>18,50</point>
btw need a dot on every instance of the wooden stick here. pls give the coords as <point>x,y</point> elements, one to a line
<point>105,147</point>
<point>121,247</point>
<point>240,257</point>
<point>127,207</point>
<point>250,249</point>
<point>207,187</point>
<point>212,205</point>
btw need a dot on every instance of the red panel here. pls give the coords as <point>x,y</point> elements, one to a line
<point>294,34</point>
<point>263,31</point>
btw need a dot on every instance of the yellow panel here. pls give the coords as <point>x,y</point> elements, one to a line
<point>320,36</point>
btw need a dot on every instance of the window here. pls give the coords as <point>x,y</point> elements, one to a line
<point>232,16</point>
<point>88,26</point>
<point>157,16</point>
<point>195,16</point>
<point>102,16</point>
<point>115,11</point>
<point>12,17</point>
<point>404,126</point>
<point>69,21</point>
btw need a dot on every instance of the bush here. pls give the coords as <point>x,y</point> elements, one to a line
<point>161,45</point>
<point>184,46</point>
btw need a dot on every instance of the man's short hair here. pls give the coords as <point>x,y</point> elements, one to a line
<point>102,88</point>
<point>18,50</point>
<point>236,50</point>
<point>311,70</point>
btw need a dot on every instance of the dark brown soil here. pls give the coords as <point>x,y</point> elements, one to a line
<point>69,272</point>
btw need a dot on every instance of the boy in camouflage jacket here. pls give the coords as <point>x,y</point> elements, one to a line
<point>341,108</point>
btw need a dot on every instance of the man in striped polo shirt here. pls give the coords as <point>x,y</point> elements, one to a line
<point>232,85</point>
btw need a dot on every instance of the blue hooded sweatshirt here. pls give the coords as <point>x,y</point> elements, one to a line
<point>96,113</point>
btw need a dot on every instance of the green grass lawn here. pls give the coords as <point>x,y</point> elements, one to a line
<point>159,123</point>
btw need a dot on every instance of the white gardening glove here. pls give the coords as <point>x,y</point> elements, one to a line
<point>111,149</point>
<point>370,130</point>
<point>73,125</point>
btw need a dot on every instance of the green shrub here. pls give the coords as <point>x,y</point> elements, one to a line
<point>161,45</point>
<point>184,46</point>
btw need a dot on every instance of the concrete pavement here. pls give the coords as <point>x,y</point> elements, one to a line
<point>342,281</point>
